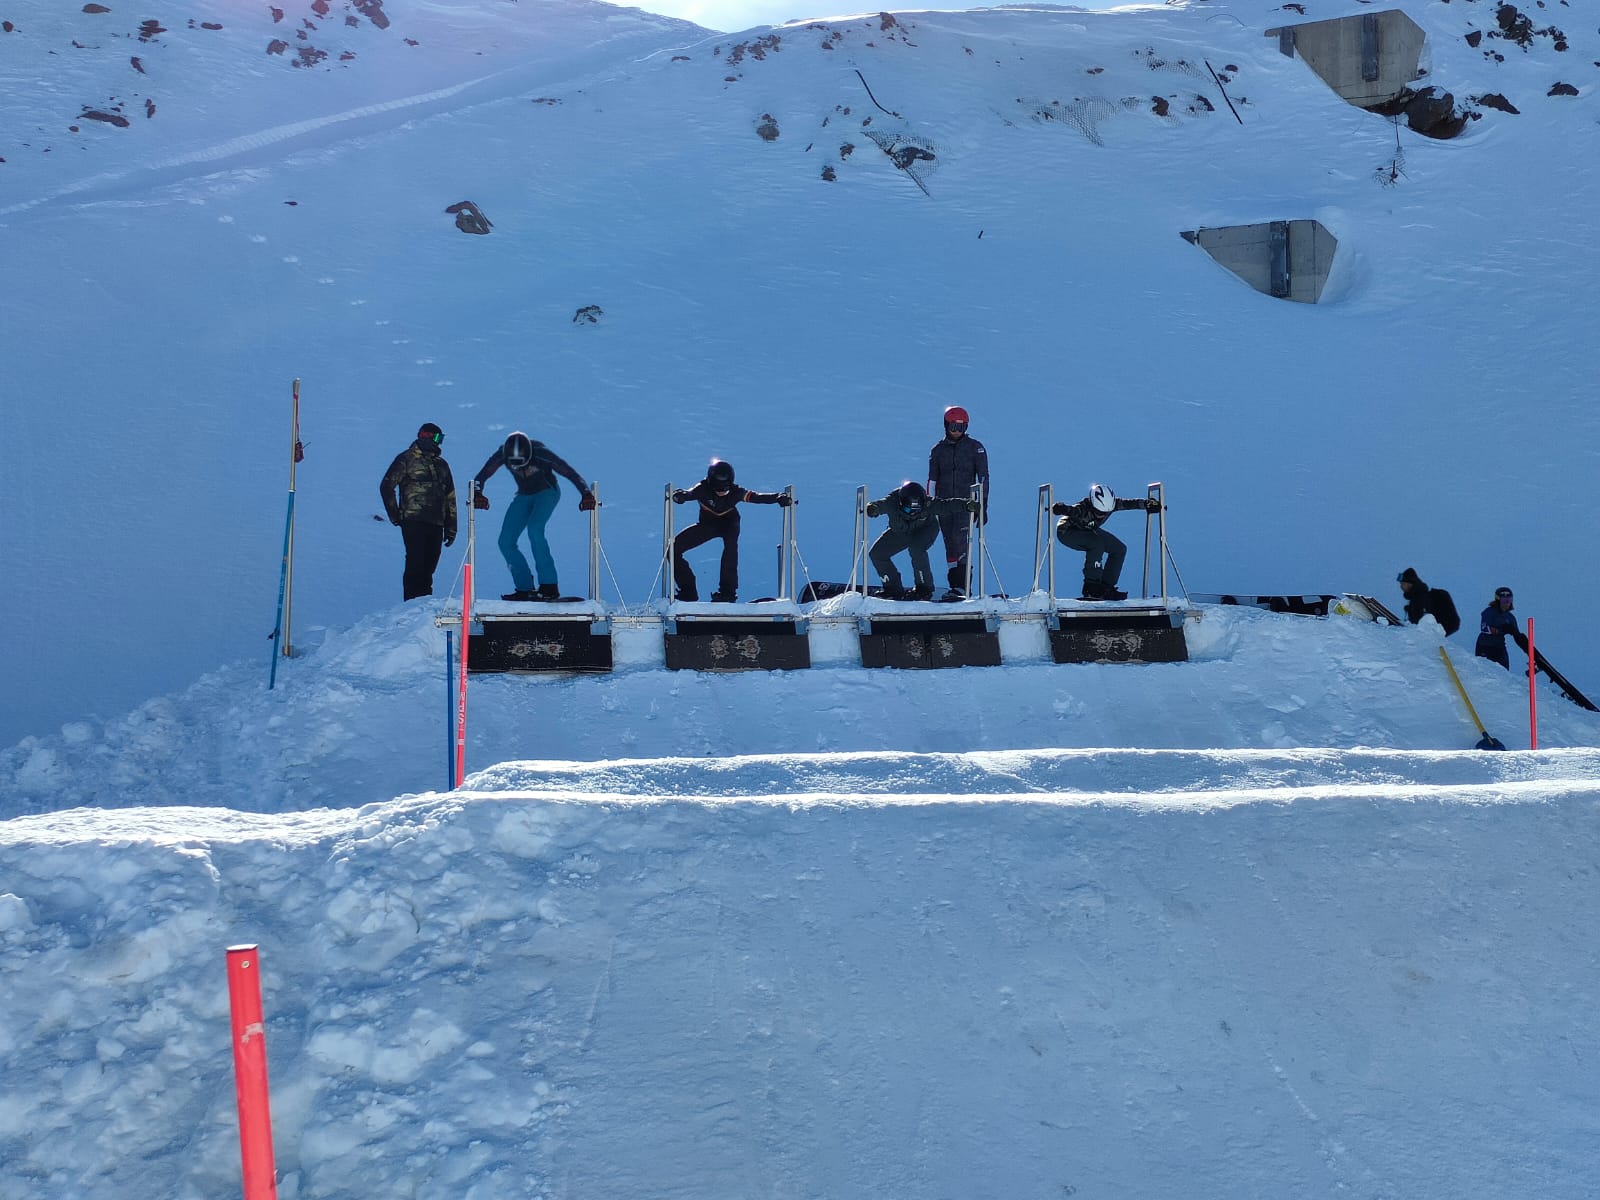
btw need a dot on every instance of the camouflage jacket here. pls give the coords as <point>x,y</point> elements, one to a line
<point>418,487</point>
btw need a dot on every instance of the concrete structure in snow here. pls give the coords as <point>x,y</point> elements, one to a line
<point>1369,58</point>
<point>1286,259</point>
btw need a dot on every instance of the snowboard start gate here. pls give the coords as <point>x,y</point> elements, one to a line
<point>924,641</point>
<point>531,643</point>
<point>546,642</point>
<point>754,643</point>
<point>1120,635</point>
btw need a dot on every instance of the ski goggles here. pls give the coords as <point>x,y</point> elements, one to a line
<point>956,426</point>
<point>1502,593</point>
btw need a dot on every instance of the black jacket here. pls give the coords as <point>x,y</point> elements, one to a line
<point>891,507</point>
<point>954,466</point>
<point>713,506</point>
<point>1084,515</point>
<point>1434,602</point>
<point>539,475</point>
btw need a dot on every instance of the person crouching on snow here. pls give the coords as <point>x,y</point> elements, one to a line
<point>719,499</point>
<point>913,524</point>
<point>1080,529</point>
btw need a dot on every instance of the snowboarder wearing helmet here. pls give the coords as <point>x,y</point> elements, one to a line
<point>955,463</point>
<point>913,524</point>
<point>534,466</point>
<point>1496,623</point>
<point>1080,529</point>
<point>719,499</point>
<point>420,497</point>
<point>1424,601</point>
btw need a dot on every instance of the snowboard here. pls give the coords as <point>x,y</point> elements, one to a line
<point>1375,607</point>
<point>1561,681</point>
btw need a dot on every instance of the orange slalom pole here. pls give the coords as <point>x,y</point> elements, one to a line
<point>250,1073</point>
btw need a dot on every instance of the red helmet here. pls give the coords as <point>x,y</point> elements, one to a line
<point>956,417</point>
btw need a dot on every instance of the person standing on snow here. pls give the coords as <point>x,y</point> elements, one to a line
<point>955,463</point>
<point>1080,529</point>
<point>419,495</point>
<point>1494,624</point>
<point>913,524</point>
<point>534,466</point>
<point>1422,600</point>
<point>719,501</point>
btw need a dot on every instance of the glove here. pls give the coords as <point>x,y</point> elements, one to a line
<point>449,537</point>
<point>1060,508</point>
<point>872,509</point>
<point>784,500</point>
<point>679,496</point>
<point>973,506</point>
<point>1152,505</point>
<point>587,502</point>
<point>394,518</point>
<point>479,500</point>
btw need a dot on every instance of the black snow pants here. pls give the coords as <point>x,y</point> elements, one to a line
<point>698,534</point>
<point>424,543</point>
<point>891,541</point>
<point>1095,544</point>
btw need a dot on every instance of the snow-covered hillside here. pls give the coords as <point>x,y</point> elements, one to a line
<point>997,975</point>
<point>167,280</point>
<point>1258,924</point>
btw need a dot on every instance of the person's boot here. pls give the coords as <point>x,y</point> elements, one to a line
<point>1093,589</point>
<point>724,598</point>
<point>958,580</point>
<point>1107,592</point>
<point>520,594</point>
<point>549,591</point>
<point>891,590</point>
<point>923,591</point>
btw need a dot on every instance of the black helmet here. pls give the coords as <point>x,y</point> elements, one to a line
<point>430,433</point>
<point>518,450</point>
<point>720,473</point>
<point>913,496</point>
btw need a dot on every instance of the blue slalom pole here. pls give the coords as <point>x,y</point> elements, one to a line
<point>450,705</point>
<point>283,583</point>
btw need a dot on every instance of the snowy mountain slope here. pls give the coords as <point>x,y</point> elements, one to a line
<point>1377,989</point>
<point>1253,925</point>
<point>1432,412</point>
<point>364,718</point>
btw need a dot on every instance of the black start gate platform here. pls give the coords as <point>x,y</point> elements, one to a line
<point>925,641</point>
<point>1118,635</point>
<point>530,643</point>
<point>731,643</point>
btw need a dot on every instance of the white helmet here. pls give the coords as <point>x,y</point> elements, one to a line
<point>1103,498</point>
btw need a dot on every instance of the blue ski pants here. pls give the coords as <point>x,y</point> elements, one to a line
<point>529,514</point>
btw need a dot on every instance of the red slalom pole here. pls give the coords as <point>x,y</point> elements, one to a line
<point>250,1073</point>
<point>1533,693</point>
<point>461,687</point>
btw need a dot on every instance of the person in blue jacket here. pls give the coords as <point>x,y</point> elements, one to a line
<point>534,466</point>
<point>1497,623</point>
